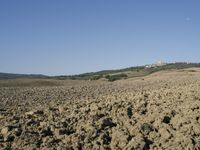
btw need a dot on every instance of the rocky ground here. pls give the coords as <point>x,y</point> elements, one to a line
<point>159,111</point>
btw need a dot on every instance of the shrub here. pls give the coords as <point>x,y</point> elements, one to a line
<point>116,77</point>
<point>96,77</point>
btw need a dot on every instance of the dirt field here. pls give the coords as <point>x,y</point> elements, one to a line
<point>159,111</point>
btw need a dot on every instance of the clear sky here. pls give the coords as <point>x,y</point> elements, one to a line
<point>56,37</point>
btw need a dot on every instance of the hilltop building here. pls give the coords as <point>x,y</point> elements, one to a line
<point>159,63</point>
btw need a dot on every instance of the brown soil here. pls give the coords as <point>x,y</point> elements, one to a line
<point>160,111</point>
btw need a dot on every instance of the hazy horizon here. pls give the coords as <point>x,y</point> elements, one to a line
<point>67,37</point>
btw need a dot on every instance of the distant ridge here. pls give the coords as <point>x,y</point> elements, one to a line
<point>131,72</point>
<point>111,75</point>
<point>4,76</point>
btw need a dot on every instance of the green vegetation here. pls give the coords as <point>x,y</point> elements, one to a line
<point>116,77</point>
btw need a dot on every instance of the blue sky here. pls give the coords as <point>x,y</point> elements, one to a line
<point>56,37</point>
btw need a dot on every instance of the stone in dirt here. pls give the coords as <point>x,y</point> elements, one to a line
<point>1,117</point>
<point>165,134</point>
<point>107,122</point>
<point>167,119</point>
<point>146,128</point>
<point>4,131</point>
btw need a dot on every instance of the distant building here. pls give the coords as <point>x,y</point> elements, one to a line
<point>159,63</point>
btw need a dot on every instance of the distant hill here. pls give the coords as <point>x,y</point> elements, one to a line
<point>110,75</point>
<point>130,72</point>
<point>4,76</point>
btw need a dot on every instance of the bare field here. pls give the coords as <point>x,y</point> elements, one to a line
<point>159,111</point>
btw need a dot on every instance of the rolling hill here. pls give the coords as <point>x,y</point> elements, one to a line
<point>130,72</point>
<point>110,75</point>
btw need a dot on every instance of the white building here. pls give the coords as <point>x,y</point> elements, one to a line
<point>159,63</point>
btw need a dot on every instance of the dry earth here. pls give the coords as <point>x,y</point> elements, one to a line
<point>159,111</point>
